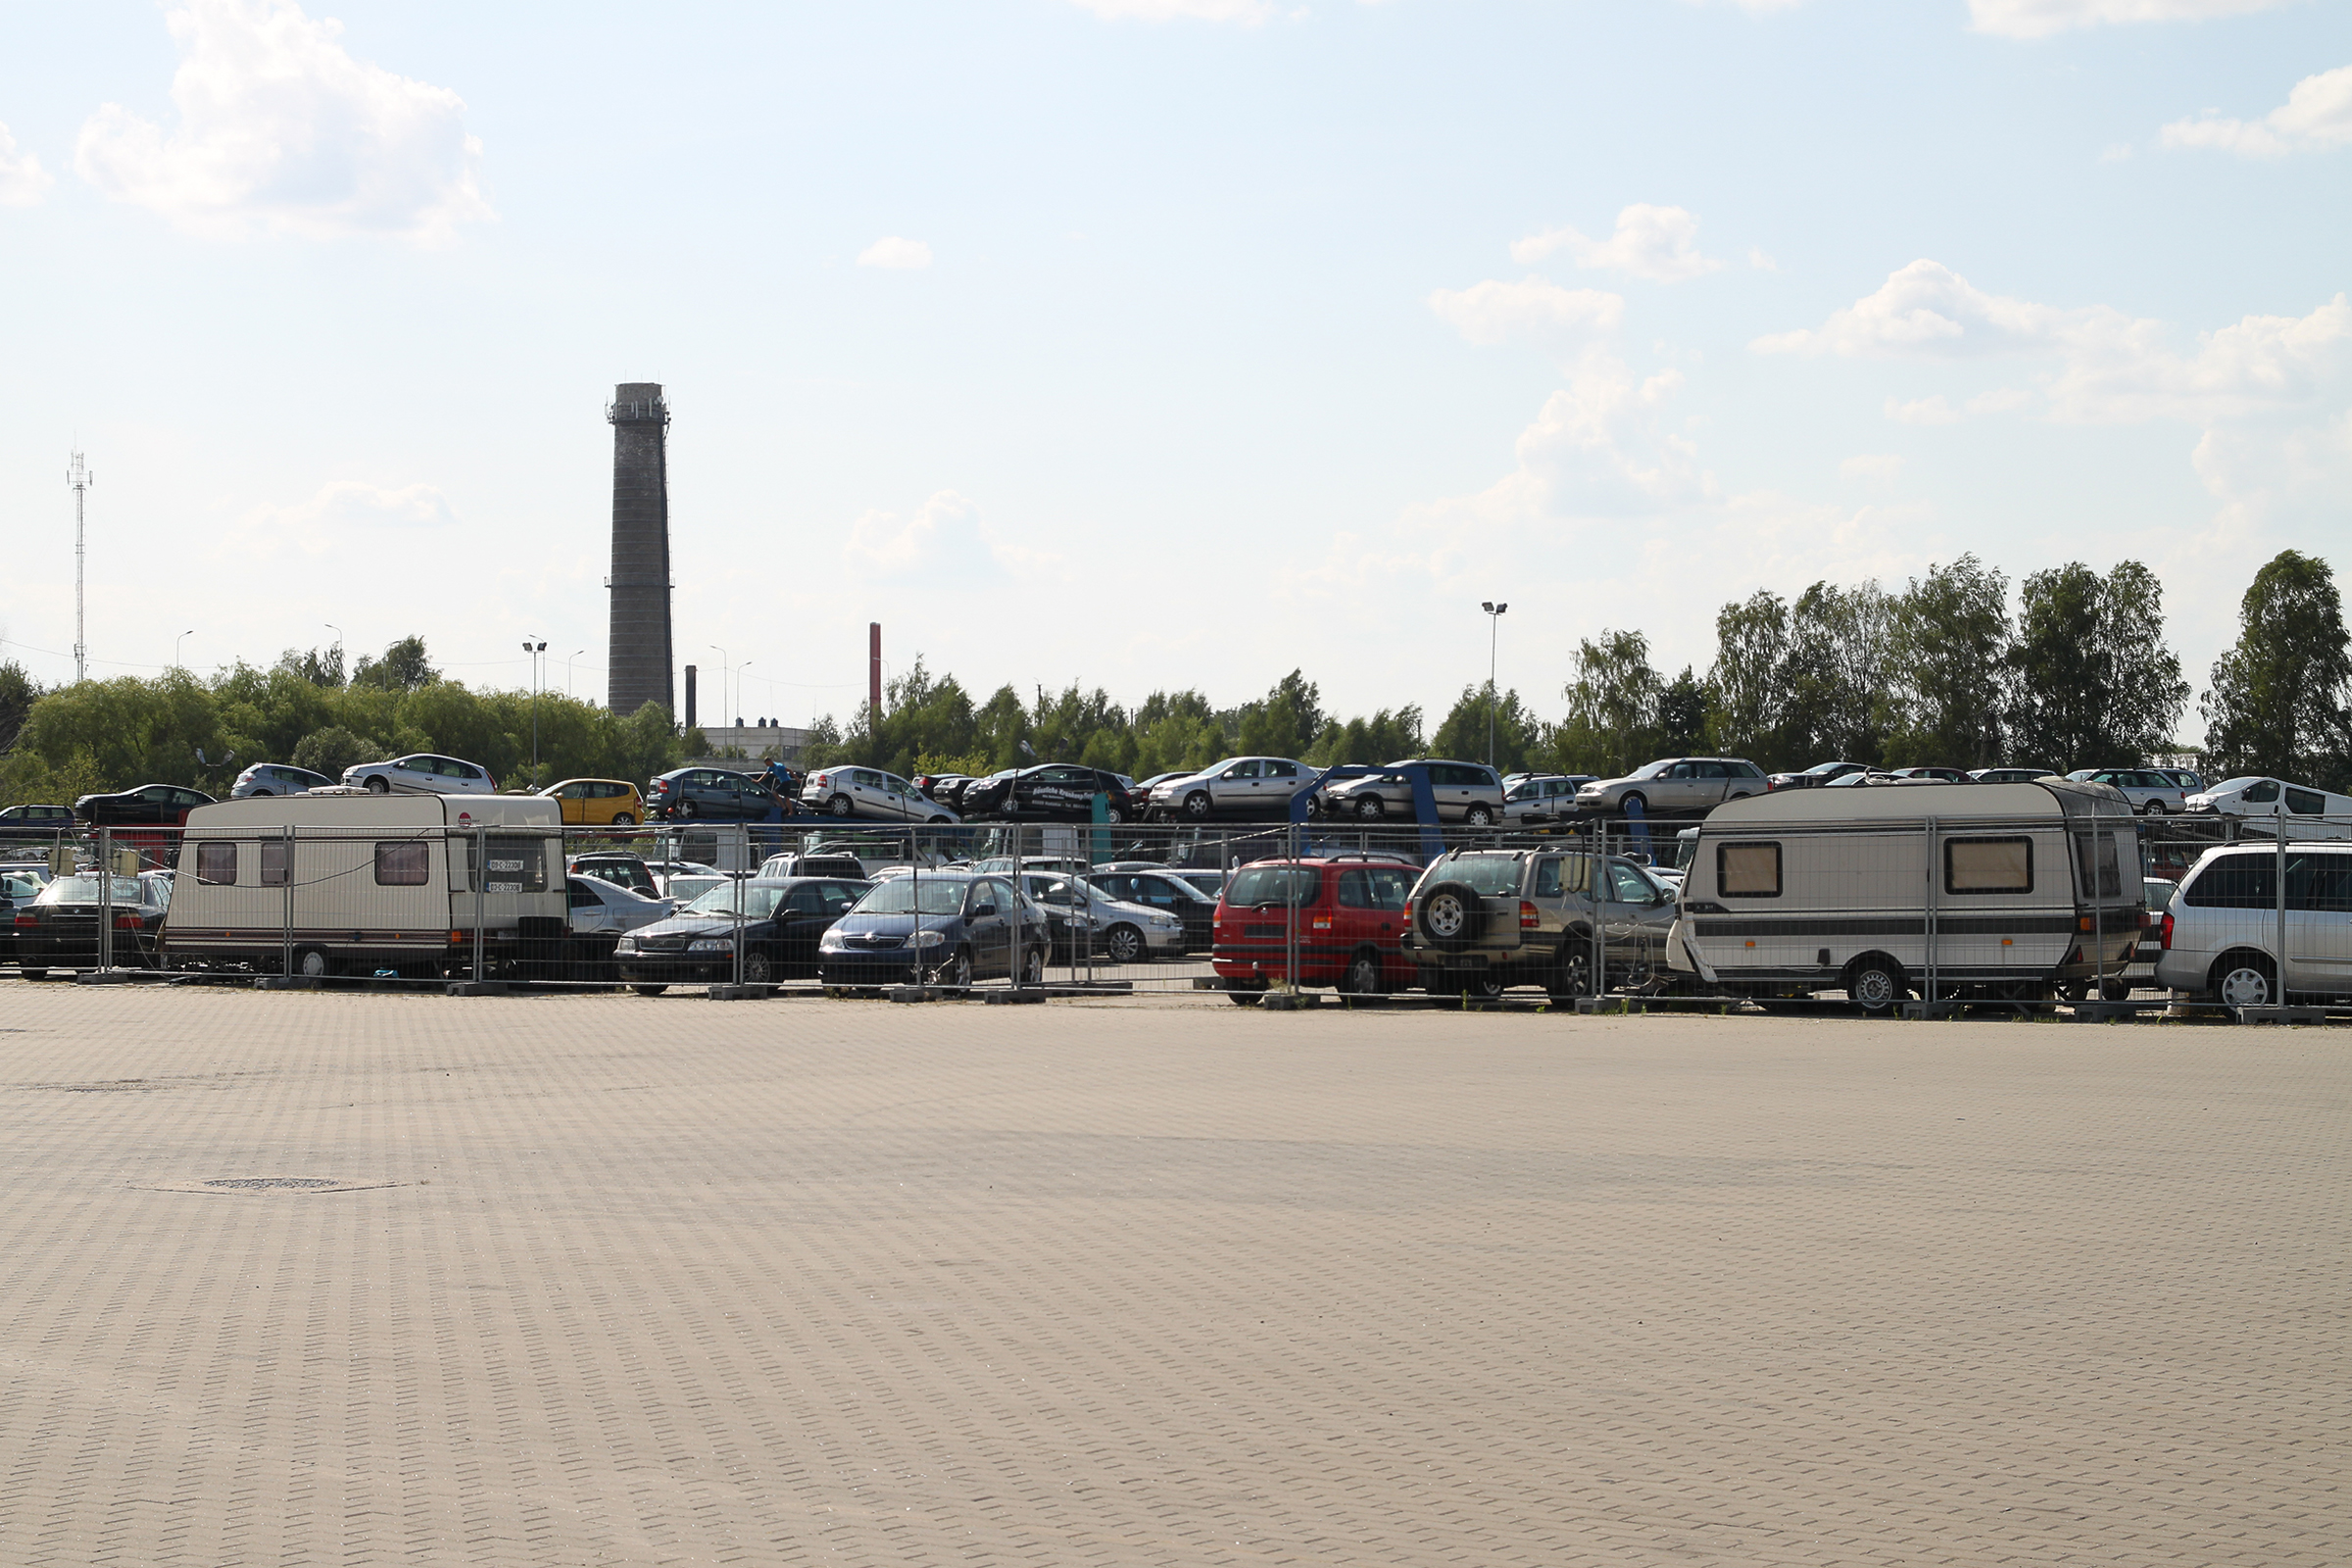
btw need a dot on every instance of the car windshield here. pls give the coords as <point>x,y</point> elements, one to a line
<point>899,895</point>
<point>2231,786</point>
<point>1488,875</point>
<point>1654,770</point>
<point>1272,884</point>
<point>85,890</point>
<point>757,902</point>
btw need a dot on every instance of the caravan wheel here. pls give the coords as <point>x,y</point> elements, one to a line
<point>314,963</point>
<point>1876,984</point>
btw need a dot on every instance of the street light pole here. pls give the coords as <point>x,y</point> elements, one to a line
<point>567,658</point>
<point>738,669</point>
<point>1494,642</point>
<point>723,673</point>
<point>338,632</point>
<point>176,642</point>
<point>536,649</point>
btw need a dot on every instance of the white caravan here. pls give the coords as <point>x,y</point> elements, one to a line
<point>1968,890</point>
<point>355,883</point>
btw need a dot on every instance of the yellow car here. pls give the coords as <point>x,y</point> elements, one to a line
<point>598,802</point>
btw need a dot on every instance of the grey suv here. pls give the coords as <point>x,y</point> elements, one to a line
<point>1675,786</point>
<point>1465,792</point>
<point>1483,920</point>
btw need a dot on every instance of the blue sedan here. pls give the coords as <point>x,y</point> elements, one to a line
<point>946,928</point>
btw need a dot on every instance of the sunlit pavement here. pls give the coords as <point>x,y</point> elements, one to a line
<point>606,1279</point>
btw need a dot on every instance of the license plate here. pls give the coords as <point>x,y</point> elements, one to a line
<point>501,886</point>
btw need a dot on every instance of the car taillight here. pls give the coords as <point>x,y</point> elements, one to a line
<point>28,919</point>
<point>2164,929</point>
<point>126,922</point>
<point>1529,920</point>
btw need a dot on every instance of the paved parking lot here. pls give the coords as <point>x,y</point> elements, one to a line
<point>602,1278</point>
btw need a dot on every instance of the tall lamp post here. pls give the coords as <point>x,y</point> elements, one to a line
<point>738,669</point>
<point>723,673</point>
<point>567,658</point>
<point>537,651</point>
<point>1494,642</point>
<point>338,632</point>
<point>176,642</point>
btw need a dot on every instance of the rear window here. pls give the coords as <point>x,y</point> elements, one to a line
<point>1992,865</point>
<point>1377,887</point>
<point>520,866</point>
<point>216,862</point>
<point>406,864</point>
<point>2235,882</point>
<point>1256,885</point>
<point>1488,875</point>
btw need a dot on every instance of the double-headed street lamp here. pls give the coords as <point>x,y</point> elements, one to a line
<point>1494,642</point>
<point>537,651</point>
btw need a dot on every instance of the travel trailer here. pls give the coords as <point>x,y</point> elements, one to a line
<point>355,883</point>
<point>1955,891</point>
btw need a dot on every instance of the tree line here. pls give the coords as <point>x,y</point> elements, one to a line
<point>1940,671</point>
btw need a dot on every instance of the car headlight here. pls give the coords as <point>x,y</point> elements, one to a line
<point>929,939</point>
<point>708,945</point>
<point>830,942</point>
<point>1166,922</point>
<point>625,945</point>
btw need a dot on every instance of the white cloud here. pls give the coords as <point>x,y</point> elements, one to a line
<point>23,179</point>
<point>341,508</point>
<point>1494,311</point>
<point>1922,411</point>
<point>1871,466</point>
<point>2111,368</point>
<point>2040,18</point>
<point>2315,117</point>
<point>1761,262</point>
<point>282,131</point>
<point>896,254</point>
<point>947,541</point>
<point>1248,13</point>
<point>1660,243</point>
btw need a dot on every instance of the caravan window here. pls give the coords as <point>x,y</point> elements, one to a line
<point>217,864</point>
<point>406,864</point>
<point>2109,877</point>
<point>1747,870</point>
<point>517,865</point>
<point>274,862</point>
<point>1992,865</point>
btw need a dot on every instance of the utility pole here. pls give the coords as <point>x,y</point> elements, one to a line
<point>536,649</point>
<point>77,480</point>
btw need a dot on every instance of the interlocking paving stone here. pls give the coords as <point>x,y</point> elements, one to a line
<point>1160,1281</point>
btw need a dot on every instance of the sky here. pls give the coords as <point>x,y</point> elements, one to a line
<point>1154,343</point>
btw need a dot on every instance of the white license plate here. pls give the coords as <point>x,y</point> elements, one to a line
<point>501,886</point>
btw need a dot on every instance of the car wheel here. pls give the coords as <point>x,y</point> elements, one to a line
<point>1195,804</point>
<point>32,974</point>
<point>2152,809</point>
<point>623,819</point>
<point>2245,980</point>
<point>377,784</point>
<point>1369,808</point>
<point>839,806</point>
<point>1451,917</point>
<point>757,970</point>
<point>1033,967</point>
<point>1480,817</point>
<point>689,810</point>
<point>1364,975</point>
<point>958,975</point>
<point>1633,803</point>
<point>1876,984</point>
<point>943,821</point>
<point>2116,989</point>
<point>1113,814</point>
<point>1122,944</point>
<point>1485,986</point>
<point>648,990</point>
<point>1572,973</point>
<point>259,795</point>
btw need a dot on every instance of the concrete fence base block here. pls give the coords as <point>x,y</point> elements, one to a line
<point>102,977</point>
<point>1026,993</point>
<point>745,993</point>
<point>1930,1010</point>
<point>915,993</point>
<point>2285,1015</point>
<point>1289,1001</point>
<point>2109,1012</point>
<point>286,982</point>
<point>477,988</point>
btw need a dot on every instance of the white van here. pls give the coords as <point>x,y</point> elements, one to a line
<point>2256,804</point>
<point>357,882</point>
<point>1983,891</point>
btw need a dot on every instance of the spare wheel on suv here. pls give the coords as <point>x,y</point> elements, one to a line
<point>1451,917</point>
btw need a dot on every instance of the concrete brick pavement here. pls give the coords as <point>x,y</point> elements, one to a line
<point>815,1282</point>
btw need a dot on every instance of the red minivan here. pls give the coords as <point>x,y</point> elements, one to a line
<point>1347,914</point>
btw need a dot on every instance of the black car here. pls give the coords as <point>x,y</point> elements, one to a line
<point>36,824</point>
<point>1162,889</point>
<point>781,919</point>
<point>148,806</point>
<point>711,795</point>
<point>1813,778</point>
<point>59,929</point>
<point>1050,792</point>
<point>17,892</point>
<point>953,927</point>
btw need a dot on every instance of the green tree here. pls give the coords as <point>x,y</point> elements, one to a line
<point>1746,710</point>
<point>17,693</point>
<point>1612,722</point>
<point>330,749</point>
<point>1392,735</point>
<point>1519,737</point>
<point>2093,681</point>
<point>1683,713</point>
<point>2278,700</point>
<point>402,668</point>
<point>1950,649</point>
<point>1286,722</point>
<point>1834,674</point>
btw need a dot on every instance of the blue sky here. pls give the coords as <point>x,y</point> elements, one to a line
<point>1157,342</point>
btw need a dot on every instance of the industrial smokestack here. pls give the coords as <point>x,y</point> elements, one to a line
<point>690,718</point>
<point>873,674</point>
<point>639,659</point>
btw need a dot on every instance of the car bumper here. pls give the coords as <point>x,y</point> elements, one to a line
<point>882,968</point>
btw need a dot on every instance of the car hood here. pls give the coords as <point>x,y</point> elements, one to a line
<point>894,925</point>
<point>693,925</point>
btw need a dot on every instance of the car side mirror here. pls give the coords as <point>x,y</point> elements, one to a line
<point>983,910</point>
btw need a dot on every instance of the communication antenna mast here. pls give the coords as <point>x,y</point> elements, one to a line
<point>77,478</point>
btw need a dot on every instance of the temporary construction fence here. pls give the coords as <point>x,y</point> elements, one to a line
<point>490,905</point>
